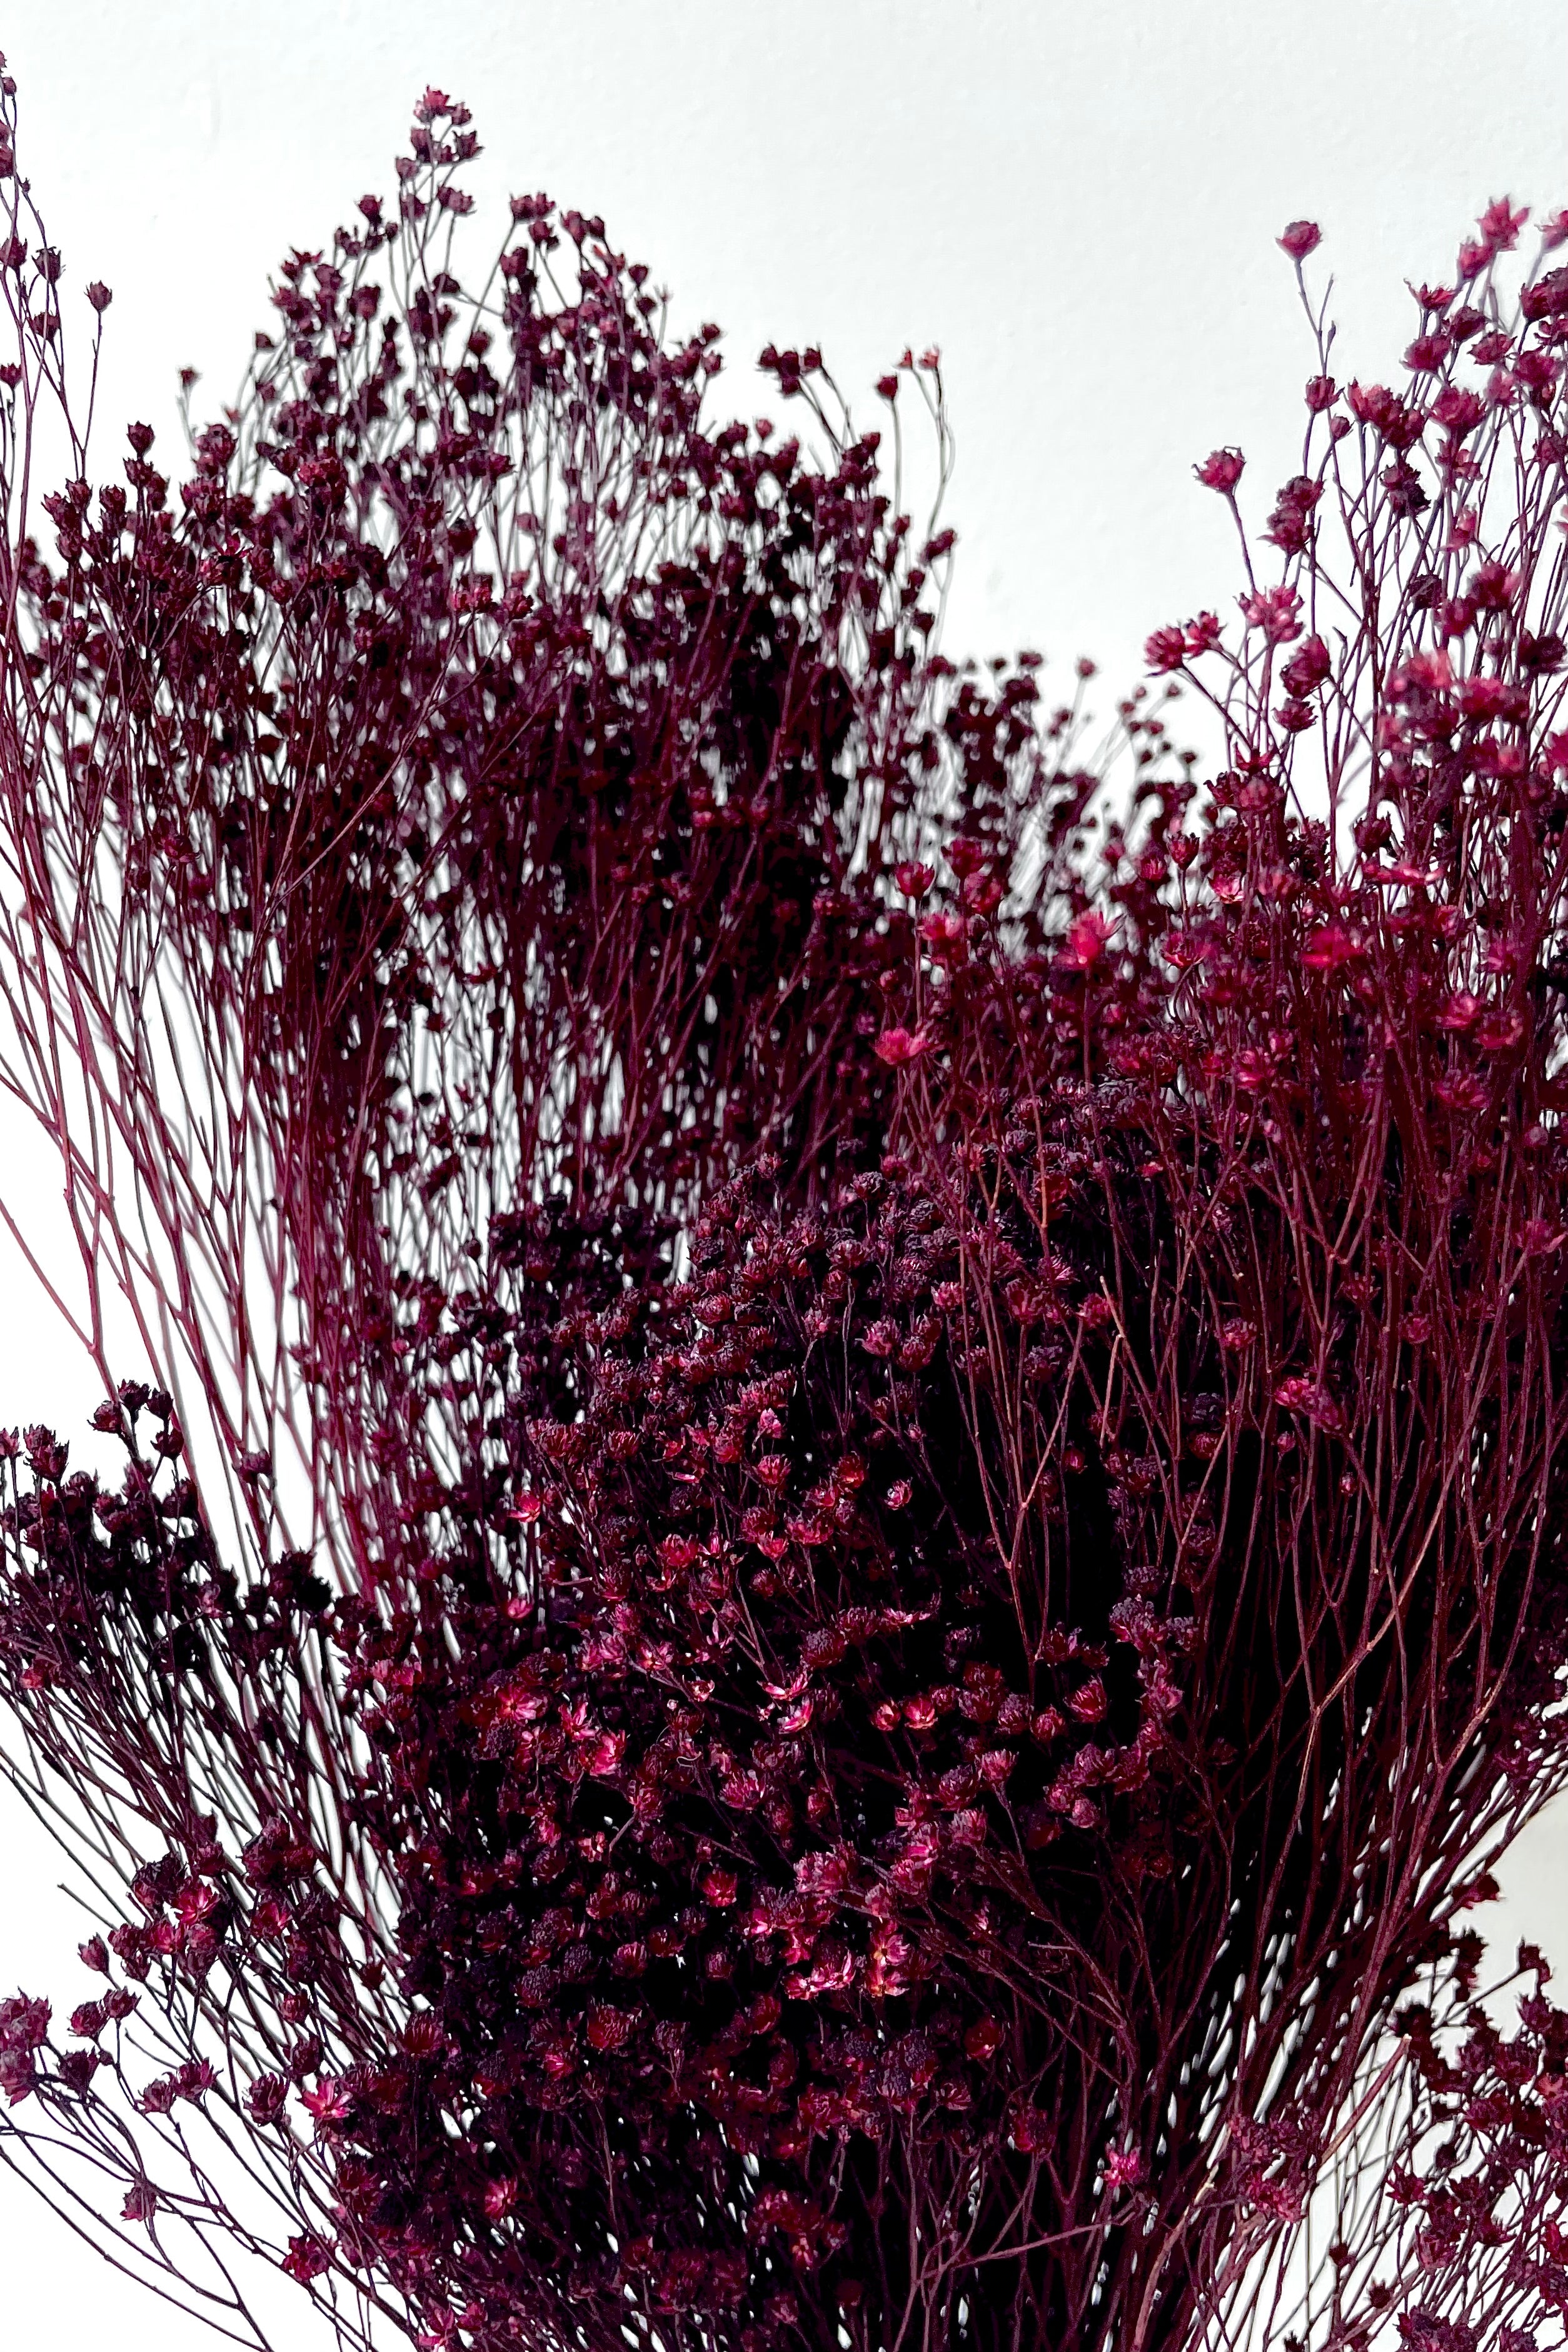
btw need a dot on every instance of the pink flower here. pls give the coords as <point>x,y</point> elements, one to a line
<point>1329,948</point>
<point>328,2104</point>
<point>1458,410</point>
<point>887,1966</point>
<point>1275,610</point>
<point>608,2027</point>
<point>1302,238</point>
<point>947,932</point>
<point>1500,226</point>
<point>602,1756</point>
<point>1308,668</point>
<point>897,1047</point>
<point>1124,2170</point>
<point>1086,943</point>
<point>1374,404</point>
<point>1300,1394</point>
<point>306,2259</point>
<point>1166,649</point>
<point>1221,470</point>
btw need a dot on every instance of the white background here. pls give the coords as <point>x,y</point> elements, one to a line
<point>1078,203</point>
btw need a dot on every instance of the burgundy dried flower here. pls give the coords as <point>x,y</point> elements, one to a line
<point>867,1643</point>
<point>1221,470</point>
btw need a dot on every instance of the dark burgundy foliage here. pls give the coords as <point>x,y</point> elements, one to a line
<point>853,1544</point>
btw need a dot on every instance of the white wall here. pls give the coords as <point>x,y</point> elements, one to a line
<point>1077,199</point>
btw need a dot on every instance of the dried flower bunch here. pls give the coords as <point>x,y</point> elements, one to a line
<point>845,1541</point>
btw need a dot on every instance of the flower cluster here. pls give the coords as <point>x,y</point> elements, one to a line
<point>889,1388</point>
